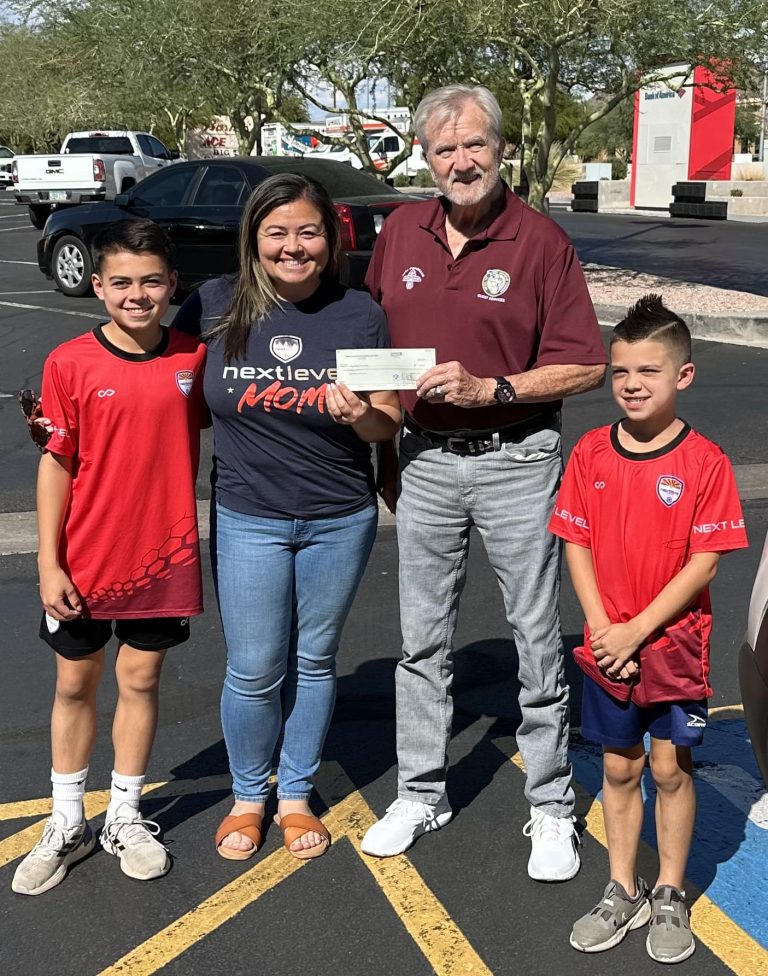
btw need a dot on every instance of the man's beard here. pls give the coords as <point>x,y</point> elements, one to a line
<point>469,194</point>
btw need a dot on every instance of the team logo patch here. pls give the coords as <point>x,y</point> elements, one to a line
<point>184,380</point>
<point>669,489</point>
<point>412,276</point>
<point>495,282</point>
<point>285,348</point>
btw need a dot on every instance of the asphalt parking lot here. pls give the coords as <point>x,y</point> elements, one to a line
<point>460,902</point>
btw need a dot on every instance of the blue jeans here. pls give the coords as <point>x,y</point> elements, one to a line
<point>285,587</point>
<point>508,495</point>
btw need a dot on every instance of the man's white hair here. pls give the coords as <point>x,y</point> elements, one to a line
<point>444,104</point>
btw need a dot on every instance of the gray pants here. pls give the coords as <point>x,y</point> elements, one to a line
<point>508,495</point>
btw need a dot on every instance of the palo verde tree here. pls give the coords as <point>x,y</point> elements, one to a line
<point>404,47</point>
<point>609,48</point>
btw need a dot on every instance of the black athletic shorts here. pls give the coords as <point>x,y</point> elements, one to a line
<point>78,638</point>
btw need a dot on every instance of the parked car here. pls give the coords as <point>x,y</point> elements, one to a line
<point>6,155</point>
<point>753,666</point>
<point>89,166</point>
<point>200,204</point>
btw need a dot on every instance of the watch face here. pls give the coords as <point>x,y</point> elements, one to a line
<point>505,392</point>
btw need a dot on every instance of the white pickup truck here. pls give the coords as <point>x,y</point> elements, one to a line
<point>90,166</point>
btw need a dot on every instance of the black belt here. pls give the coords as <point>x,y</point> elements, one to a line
<point>483,441</point>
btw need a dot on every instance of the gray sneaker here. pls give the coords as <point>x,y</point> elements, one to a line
<point>610,920</point>
<point>669,934</point>
<point>47,863</point>
<point>132,840</point>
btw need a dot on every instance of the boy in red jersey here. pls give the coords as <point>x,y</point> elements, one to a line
<point>646,508</point>
<point>116,544</point>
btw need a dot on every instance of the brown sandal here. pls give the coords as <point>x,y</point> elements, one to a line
<point>294,825</point>
<point>248,824</point>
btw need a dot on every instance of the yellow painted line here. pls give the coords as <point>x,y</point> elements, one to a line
<point>425,919</point>
<point>726,711</point>
<point>22,842</point>
<point>727,940</point>
<point>227,902</point>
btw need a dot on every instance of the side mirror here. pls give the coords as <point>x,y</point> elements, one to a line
<point>122,200</point>
<point>175,154</point>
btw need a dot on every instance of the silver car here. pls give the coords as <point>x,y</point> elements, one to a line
<point>753,666</point>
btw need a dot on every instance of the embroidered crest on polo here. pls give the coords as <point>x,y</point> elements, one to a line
<point>495,282</point>
<point>285,348</point>
<point>669,489</point>
<point>412,276</point>
<point>184,380</point>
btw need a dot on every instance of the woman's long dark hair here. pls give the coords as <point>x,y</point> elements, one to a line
<point>255,296</point>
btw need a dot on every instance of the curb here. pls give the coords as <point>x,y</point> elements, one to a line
<point>18,530</point>
<point>738,328</point>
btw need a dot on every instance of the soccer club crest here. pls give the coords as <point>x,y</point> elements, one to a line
<point>495,282</point>
<point>285,348</point>
<point>184,380</point>
<point>669,489</point>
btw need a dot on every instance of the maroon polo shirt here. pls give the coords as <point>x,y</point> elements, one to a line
<point>514,299</point>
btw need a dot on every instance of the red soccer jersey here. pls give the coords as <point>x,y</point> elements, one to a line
<point>132,422</point>
<point>643,516</point>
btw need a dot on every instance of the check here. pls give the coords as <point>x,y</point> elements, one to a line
<point>382,369</point>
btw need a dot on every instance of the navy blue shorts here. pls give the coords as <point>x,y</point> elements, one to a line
<point>622,724</point>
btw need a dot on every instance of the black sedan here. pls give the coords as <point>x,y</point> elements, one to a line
<point>200,204</point>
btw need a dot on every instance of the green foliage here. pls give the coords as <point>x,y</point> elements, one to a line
<point>400,179</point>
<point>423,177</point>
<point>747,128</point>
<point>610,135</point>
<point>618,168</point>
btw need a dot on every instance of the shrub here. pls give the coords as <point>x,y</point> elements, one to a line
<point>401,180</point>
<point>736,192</point>
<point>423,178</point>
<point>618,169</point>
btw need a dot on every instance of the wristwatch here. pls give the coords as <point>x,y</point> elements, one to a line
<point>504,392</point>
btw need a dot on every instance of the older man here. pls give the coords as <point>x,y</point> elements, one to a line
<point>497,289</point>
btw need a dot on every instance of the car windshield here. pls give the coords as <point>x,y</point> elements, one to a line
<point>339,179</point>
<point>103,145</point>
<point>5,152</point>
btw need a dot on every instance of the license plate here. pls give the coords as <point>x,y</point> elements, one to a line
<point>57,195</point>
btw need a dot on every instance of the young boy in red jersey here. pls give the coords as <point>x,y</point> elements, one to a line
<point>646,508</point>
<point>118,542</point>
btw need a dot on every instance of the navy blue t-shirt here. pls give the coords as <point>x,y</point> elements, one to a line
<point>277,451</point>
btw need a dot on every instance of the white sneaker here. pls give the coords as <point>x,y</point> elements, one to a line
<point>404,821</point>
<point>554,843</point>
<point>130,838</point>
<point>47,863</point>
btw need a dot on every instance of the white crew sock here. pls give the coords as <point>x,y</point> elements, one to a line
<point>68,790</point>
<point>125,790</point>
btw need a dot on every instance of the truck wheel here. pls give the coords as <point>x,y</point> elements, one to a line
<point>38,216</point>
<point>72,266</point>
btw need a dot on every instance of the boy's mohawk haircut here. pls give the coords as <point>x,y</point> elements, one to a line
<point>649,318</point>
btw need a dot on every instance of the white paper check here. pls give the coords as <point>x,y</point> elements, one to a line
<point>382,369</point>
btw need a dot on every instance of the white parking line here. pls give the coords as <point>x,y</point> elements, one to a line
<point>9,230</point>
<point>40,291</point>
<point>57,311</point>
<point>18,216</point>
<point>10,261</point>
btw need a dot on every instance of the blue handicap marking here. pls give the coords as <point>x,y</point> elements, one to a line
<point>728,859</point>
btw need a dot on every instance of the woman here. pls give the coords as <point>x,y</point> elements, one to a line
<point>295,500</point>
